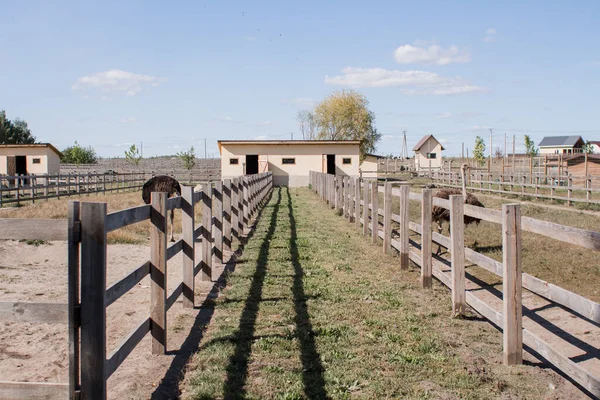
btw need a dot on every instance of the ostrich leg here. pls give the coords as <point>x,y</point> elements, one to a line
<point>440,228</point>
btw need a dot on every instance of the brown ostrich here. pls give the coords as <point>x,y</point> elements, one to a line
<point>162,183</point>
<point>440,214</point>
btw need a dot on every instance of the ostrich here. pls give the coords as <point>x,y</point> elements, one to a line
<point>162,183</point>
<point>439,214</point>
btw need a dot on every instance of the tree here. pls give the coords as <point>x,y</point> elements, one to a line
<point>344,115</point>
<point>14,132</point>
<point>479,150</point>
<point>530,148</point>
<point>498,153</point>
<point>78,154</point>
<point>188,158</point>
<point>307,125</point>
<point>588,147</point>
<point>133,155</point>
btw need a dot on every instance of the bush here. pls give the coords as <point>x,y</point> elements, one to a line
<point>77,154</point>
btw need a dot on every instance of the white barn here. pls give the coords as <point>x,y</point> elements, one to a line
<point>428,154</point>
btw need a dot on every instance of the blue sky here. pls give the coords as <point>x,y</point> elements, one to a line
<point>173,74</point>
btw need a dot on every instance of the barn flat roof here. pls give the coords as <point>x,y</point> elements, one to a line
<point>287,142</point>
<point>48,145</point>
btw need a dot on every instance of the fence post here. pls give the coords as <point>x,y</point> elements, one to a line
<point>158,272</point>
<point>457,253</point>
<point>206,262</point>
<point>569,189</point>
<point>17,186</point>
<point>332,191</point>
<point>46,183</point>
<point>189,257</point>
<point>234,208</point>
<point>239,207</point>
<point>74,238</point>
<point>227,213</point>
<point>357,203</point>
<point>32,189</point>
<point>344,184</point>
<point>404,218</point>
<point>512,285</point>
<point>426,207</point>
<point>387,218</point>
<point>93,311</point>
<point>374,211</point>
<point>217,226</point>
<point>365,212</point>
<point>245,196</point>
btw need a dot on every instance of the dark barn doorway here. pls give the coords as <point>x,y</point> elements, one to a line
<point>331,164</point>
<point>251,164</point>
<point>21,167</point>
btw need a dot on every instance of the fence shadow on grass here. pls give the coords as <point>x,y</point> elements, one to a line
<point>312,376</point>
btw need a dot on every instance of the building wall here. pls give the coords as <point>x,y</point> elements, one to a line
<point>421,160</point>
<point>369,167</point>
<point>595,148</point>
<point>49,160</point>
<point>309,157</point>
<point>559,150</point>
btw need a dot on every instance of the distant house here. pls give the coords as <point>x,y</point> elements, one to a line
<point>561,145</point>
<point>29,159</point>
<point>290,161</point>
<point>428,154</point>
<point>579,165</point>
<point>595,146</point>
<point>370,165</point>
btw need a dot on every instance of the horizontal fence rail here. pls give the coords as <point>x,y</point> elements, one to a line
<point>342,194</point>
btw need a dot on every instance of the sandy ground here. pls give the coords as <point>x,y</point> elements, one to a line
<point>38,352</point>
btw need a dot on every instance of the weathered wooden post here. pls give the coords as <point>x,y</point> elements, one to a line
<point>357,203</point>
<point>73,242</point>
<point>227,214</point>
<point>374,211</point>
<point>426,268</point>
<point>457,254</point>
<point>512,285</point>
<point>93,311</point>
<point>189,258</point>
<point>365,213</point>
<point>206,262</point>
<point>387,218</point>
<point>245,213</point>
<point>217,225</point>
<point>345,196</point>
<point>404,221</point>
<point>158,271</point>
<point>569,189</point>
<point>240,208</point>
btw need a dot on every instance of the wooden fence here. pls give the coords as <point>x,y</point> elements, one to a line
<point>227,209</point>
<point>31,188</point>
<point>550,187</point>
<point>344,194</point>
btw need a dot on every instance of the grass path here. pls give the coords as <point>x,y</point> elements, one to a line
<point>314,310</point>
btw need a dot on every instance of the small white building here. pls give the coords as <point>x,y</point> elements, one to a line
<point>29,159</point>
<point>561,145</point>
<point>370,166</point>
<point>428,154</point>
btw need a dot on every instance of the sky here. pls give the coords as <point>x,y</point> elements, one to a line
<point>172,75</point>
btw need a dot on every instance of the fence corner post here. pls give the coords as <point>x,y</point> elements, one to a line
<point>512,285</point>
<point>158,272</point>
<point>457,253</point>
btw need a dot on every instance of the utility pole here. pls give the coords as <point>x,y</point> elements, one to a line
<point>404,153</point>
<point>142,148</point>
<point>505,154</point>
<point>204,148</point>
<point>513,155</point>
<point>491,146</point>
<point>292,133</point>
<point>462,154</point>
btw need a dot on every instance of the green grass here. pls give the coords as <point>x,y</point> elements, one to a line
<point>314,310</point>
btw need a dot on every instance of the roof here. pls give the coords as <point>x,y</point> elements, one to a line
<point>46,145</point>
<point>581,157</point>
<point>287,142</point>
<point>374,155</point>
<point>423,140</point>
<point>596,142</point>
<point>550,141</point>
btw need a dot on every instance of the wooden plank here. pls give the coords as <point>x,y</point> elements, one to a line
<point>580,237</point>
<point>227,213</point>
<point>158,272</point>
<point>217,225</point>
<point>174,249</point>
<point>174,296</point>
<point>188,245</point>
<point>33,390</point>
<point>125,348</point>
<point>357,203</point>
<point>387,219</point>
<point>365,210</point>
<point>404,221</point>
<point>426,207</point>
<point>374,211</point>
<point>206,261</point>
<point>123,286</point>
<point>511,284</point>
<point>129,216</point>
<point>73,241</point>
<point>93,312</point>
<point>457,254</point>
<point>33,229</point>
<point>41,313</point>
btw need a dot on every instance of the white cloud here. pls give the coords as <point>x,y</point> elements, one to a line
<point>432,54</point>
<point>116,80</point>
<point>302,102</point>
<point>412,82</point>
<point>444,115</point>
<point>128,120</point>
<point>490,35</point>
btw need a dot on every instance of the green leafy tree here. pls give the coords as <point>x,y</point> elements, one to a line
<point>188,158</point>
<point>14,132</point>
<point>530,148</point>
<point>345,115</point>
<point>588,147</point>
<point>133,155</point>
<point>78,154</point>
<point>479,150</point>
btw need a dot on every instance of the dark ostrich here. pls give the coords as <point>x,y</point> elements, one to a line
<point>440,214</point>
<point>162,183</point>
